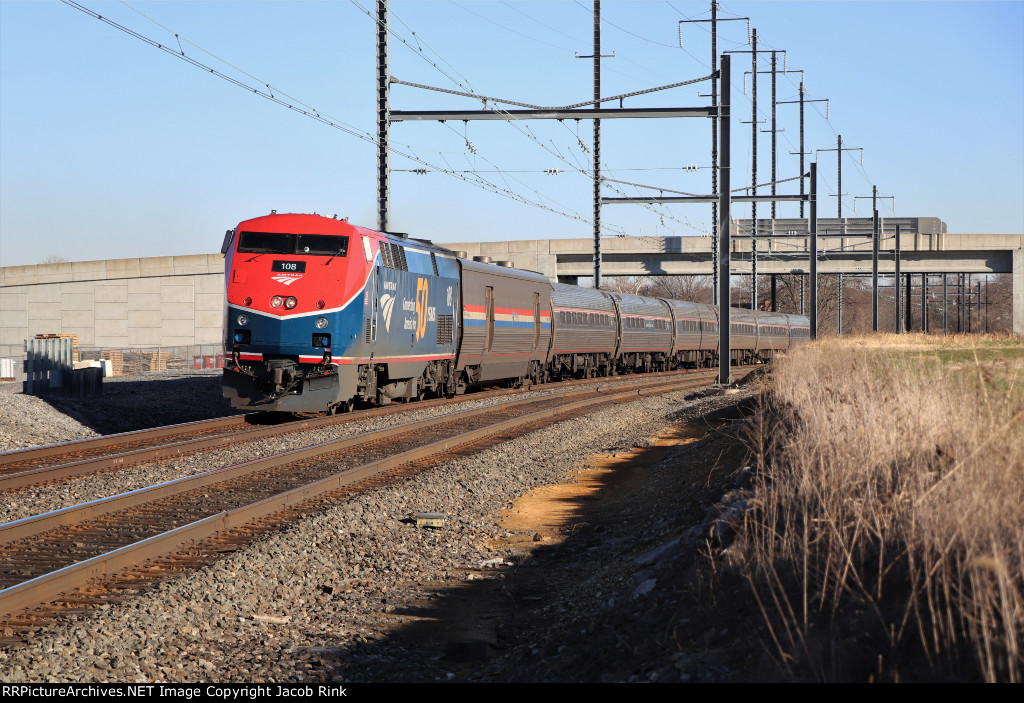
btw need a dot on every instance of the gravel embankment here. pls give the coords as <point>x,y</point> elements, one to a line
<point>128,403</point>
<point>28,421</point>
<point>52,426</point>
<point>355,594</point>
<point>322,599</point>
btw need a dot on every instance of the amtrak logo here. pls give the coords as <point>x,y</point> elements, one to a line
<point>287,278</point>
<point>387,304</point>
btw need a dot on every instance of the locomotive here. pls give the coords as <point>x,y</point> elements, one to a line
<point>321,314</point>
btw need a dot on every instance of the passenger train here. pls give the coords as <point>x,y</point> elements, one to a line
<point>322,315</point>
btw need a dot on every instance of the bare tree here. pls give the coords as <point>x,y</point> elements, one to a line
<point>693,288</point>
<point>696,289</point>
<point>634,285</point>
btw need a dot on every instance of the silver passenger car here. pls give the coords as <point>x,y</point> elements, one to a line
<point>586,332</point>
<point>505,323</point>
<point>646,332</point>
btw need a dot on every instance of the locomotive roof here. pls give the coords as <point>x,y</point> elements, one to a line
<point>299,223</point>
<point>495,270</point>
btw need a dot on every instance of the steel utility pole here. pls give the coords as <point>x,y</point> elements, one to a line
<point>908,303</point>
<point>814,250</point>
<point>898,323</point>
<point>753,163</point>
<point>775,130</point>
<point>877,231</point>
<point>597,144</point>
<point>875,197</point>
<point>801,101</point>
<point>724,203</point>
<point>383,117</point>
<point>714,133</point>
<point>839,170</point>
<point>753,170</point>
<point>945,303</point>
<point>839,317</point>
<point>962,307</point>
<point>874,273</point>
<point>775,155</point>
<point>924,302</point>
<point>714,152</point>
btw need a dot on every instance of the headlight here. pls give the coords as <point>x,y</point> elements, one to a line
<point>321,323</point>
<point>243,319</point>
<point>290,302</point>
<point>276,301</point>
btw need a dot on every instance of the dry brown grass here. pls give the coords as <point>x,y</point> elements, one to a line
<point>887,537</point>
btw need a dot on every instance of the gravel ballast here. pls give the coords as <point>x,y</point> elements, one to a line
<point>35,419</point>
<point>337,596</point>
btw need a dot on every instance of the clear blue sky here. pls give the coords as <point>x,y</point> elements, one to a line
<point>110,148</point>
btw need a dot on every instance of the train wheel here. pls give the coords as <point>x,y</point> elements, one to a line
<point>345,406</point>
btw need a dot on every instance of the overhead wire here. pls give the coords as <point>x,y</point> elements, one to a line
<point>509,29</point>
<point>604,20</point>
<point>786,76</point>
<point>404,150</point>
<point>305,109</point>
<point>502,172</point>
<point>509,119</point>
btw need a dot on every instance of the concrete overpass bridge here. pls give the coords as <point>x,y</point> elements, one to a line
<point>844,246</point>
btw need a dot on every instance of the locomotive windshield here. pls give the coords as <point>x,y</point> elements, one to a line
<point>307,244</point>
<point>321,244</point>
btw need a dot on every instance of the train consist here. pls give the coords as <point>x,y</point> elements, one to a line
<point>322,315</point>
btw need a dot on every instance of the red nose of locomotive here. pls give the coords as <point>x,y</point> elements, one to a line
<point>290,280</point>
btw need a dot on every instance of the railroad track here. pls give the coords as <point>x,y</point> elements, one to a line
<point>60,462</point>
<point>186,523</point>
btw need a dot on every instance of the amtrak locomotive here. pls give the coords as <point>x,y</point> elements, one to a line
<point>321,314</point>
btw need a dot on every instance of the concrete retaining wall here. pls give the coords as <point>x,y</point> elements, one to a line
<point>159,301</point>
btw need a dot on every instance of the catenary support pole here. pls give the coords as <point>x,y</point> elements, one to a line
<point>839,320</point>
<point>924,302</point>
<point>874,273</point>
<point>898,312</point>
<point>908,304</point>
<point>961,306</point>
<point>383,117</point>
<point>945,303</point>
<point>724,250</point>
<point>814,249</point>
<point>714,153</point>
<point>753,170</point>
<point>597,145</point>
<point>839,176</point>
<point>977,307</point>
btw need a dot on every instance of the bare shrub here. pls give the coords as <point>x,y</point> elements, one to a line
<point>887,537</point>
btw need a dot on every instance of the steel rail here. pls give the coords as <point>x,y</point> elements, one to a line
<point>37,524</point>
<point>43,452</point>
<point>45,588</point>
<point>31,477</point>
<point>97,464</point>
